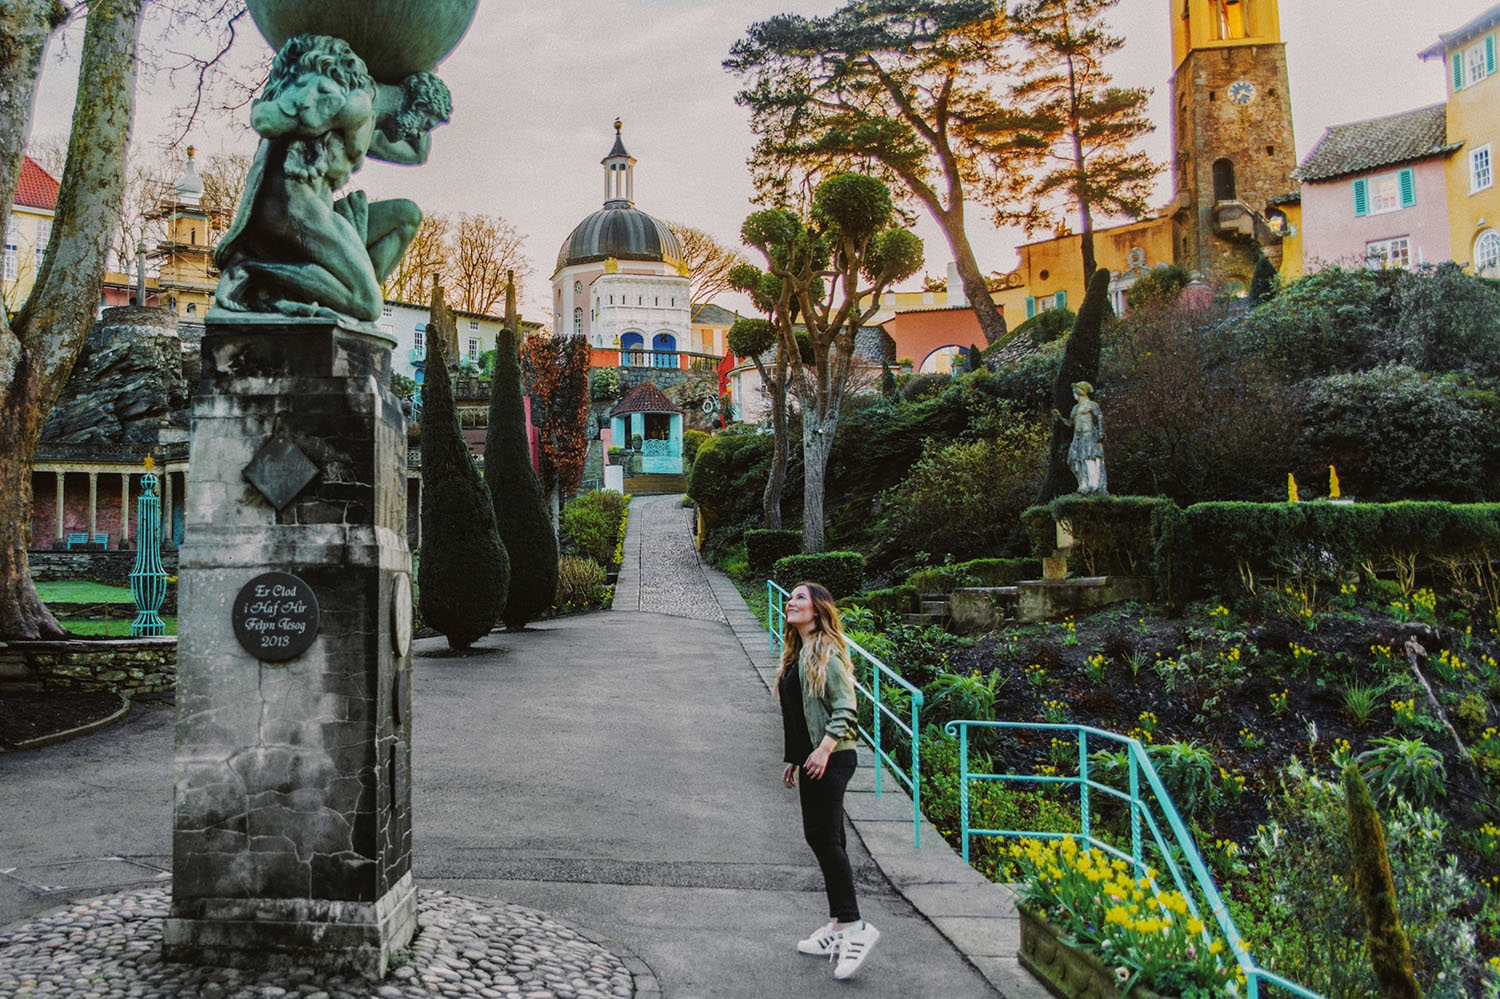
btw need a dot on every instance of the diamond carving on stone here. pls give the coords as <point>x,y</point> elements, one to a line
<point>280,471</point>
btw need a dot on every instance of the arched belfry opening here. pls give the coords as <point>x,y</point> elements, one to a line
<point>1223,180</point>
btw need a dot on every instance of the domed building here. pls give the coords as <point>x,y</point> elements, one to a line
<point>620,278</point>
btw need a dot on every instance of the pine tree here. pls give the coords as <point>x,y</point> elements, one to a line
<point>520,508</point>
<point>1080,363</point>
<point>464,572</point>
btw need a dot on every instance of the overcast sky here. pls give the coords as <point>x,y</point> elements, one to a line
<point>536,86</point>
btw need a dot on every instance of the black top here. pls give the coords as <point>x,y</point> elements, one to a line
<point>793,721</point>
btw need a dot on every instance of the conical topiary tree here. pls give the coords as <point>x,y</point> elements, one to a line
<point>464,572</point>
<point>1264,282</point>
<point>1080,363</point>
<point>520,508</point>
<point>1385,940</point>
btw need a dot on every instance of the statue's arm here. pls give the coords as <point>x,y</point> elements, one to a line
<point>409,149</point>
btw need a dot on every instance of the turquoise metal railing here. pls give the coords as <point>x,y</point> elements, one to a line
<point>776,628</point>
<point>1194,884</point>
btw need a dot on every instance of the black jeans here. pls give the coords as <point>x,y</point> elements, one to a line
<point>823,827</point>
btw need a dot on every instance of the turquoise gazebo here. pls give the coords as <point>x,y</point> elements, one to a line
<point>646,421</point>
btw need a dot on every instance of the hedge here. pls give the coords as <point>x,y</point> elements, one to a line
<point>764,548</point>
<point>692,441</point>
<point>1239,541</point>
<point>975,572</point>
<point>896,600</point>
<point>843,573</point>
<point>1120,535</point>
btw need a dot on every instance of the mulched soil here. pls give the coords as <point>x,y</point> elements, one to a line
<point>1206,708</point>
<point>25,716</point>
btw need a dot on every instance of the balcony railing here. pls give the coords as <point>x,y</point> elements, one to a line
<point>681,360</point>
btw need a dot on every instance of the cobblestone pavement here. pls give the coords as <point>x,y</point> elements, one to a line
<point>111,946</point>
<point>669,577</point>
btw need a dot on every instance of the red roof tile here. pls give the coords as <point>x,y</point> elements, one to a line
<point>644,398</point>
<point>38,188</point>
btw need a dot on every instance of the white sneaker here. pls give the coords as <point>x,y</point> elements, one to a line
<point>853,947</point>
<point>821,943</point>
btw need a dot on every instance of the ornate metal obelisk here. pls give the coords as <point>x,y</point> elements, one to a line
<point>148,580</point>
<point>292,791</point>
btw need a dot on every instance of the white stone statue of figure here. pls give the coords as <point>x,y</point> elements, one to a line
<point>1086,453</point>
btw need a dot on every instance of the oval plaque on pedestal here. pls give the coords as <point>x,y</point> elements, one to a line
<point>275,616</point>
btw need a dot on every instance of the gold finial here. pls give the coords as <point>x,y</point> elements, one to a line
<point>150,463</point>
<point>190,152</point>
<point>618,123</point>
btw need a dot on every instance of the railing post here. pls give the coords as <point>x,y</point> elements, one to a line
<point>770,617</point>
<point>1135,810</point>
<point>875,715</point>
<point>963,787</point>
<point>1083,783</point>
<point>916,778</point>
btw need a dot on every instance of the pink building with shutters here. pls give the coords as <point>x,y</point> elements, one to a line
<point>1374,193</point>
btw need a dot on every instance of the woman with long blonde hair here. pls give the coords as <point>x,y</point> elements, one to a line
<point>815,685</point>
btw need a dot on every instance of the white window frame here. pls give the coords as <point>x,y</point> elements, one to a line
<point>474,349</point>
<point>419,337</point>
<point>473,324</point>
<point>578,322</point>
<point>1491,260</point>
<point>1388,253</point>
<point>43,235</point>
<point>385,312</point>
<point>1481,169</point>
<point>1474,64</point>
<point>1384,193</point>
<point>12,249</point>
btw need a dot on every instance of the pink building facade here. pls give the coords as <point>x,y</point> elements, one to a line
<point>1374,193</point>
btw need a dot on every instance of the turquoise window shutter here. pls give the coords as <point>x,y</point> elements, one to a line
<point>1458,71</point>
<point>1030,308</point>
<point>1489,55</point>
<point>1060,300</point>
<point>1408,182</point>
<point>1361,197</point>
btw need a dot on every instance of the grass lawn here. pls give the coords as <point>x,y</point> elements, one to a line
<point>116,628</point>
<point>75,592</point>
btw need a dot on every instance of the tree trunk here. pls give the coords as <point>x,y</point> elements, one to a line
<point>976,288</point>
<point>770,500</point>
<point>817,444</point>
<point>38,350</point>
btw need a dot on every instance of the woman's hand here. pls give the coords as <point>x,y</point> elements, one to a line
<point>789,775</point>
<point>817,762</point>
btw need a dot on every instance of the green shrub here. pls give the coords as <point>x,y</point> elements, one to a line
<point>726,482</point>
<point>692,440</point>
<point>895,600</point>
<point>580,584</point>
<point>962,497</point>
<point>924,386</point>
<point>1158,287</point>
<point>1189,774</point>
<point>604,384</point>
<point>591,524</point>
<point>999,571</point>
<point>843,573</point>
<point>1044,327</point>
<point>1405,768</point>
<point>765,548</point>
<point>1120,535</point>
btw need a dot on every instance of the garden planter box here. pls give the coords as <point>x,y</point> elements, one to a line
<point>1067,970</point>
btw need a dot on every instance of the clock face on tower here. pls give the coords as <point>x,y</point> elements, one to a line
<point>1242,92</point>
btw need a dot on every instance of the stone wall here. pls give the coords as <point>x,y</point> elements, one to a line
<point>125,665</point>
<point>106,567</point>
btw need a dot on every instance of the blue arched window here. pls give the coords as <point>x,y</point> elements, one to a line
<point>665,346</point>
<point>631,349</point>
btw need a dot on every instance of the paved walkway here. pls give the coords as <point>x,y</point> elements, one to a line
<point>617,771</point>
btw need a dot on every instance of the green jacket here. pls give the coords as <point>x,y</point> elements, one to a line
<point>836,712</point>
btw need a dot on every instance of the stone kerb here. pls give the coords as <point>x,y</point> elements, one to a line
<point>126,666</point>
<point>292,811</point>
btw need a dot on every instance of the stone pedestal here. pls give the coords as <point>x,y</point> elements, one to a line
<point>292,791</point>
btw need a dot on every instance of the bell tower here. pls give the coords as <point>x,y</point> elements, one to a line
<point>1232,137</point>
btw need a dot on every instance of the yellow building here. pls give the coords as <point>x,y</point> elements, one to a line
<point>184,256</point>
<point>28,227</point>
<point>1469,59</point>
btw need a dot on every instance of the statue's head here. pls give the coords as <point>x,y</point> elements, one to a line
<point>319,55</point>
<point>425,104</point>
<point>1082,390</point>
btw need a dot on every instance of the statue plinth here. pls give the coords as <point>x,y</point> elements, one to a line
<point>292,791</point>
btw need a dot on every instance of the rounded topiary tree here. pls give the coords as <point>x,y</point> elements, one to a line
<point>464,572</point>
<point>521,514</point>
